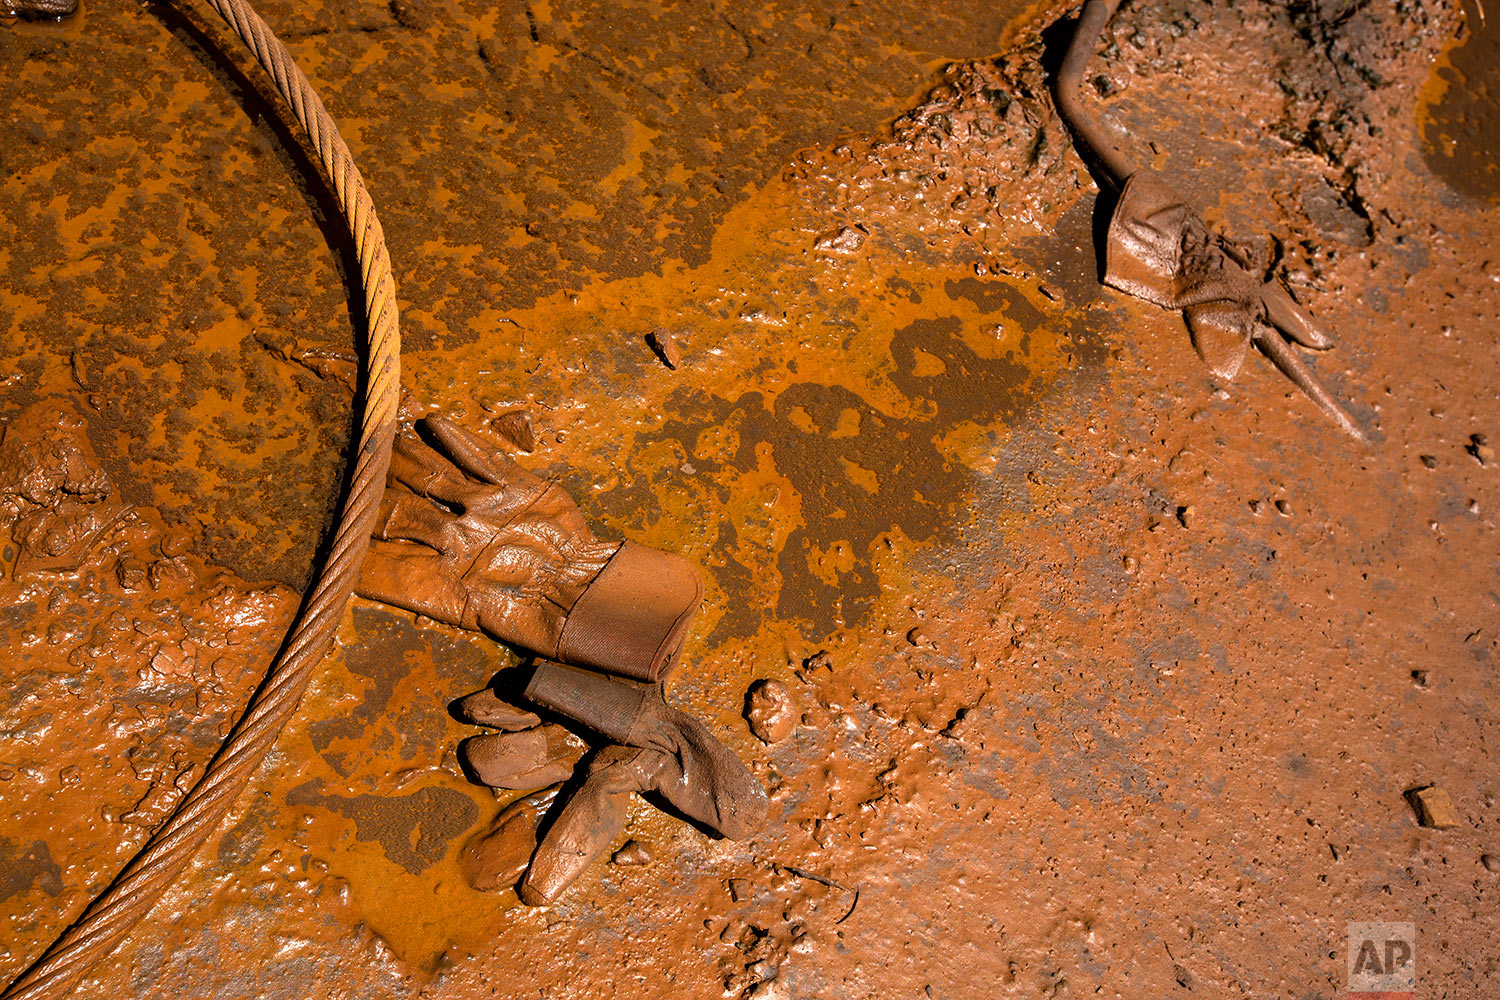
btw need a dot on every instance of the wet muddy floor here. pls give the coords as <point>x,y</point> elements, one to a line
<point>1108,679</point>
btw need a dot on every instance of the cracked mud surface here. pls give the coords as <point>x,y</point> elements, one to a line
<point>1106,680</point>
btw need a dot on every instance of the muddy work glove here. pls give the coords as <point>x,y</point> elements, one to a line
<point>657,749</point>
<point>1158,249</point>
<point>698,775</point>
<point>468,537</point>
<point>652,748</point>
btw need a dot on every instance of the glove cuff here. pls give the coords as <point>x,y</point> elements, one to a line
<point>612,709</point>
<point>1143,249</point>
<point>631,618</point>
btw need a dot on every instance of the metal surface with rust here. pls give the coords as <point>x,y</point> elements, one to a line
<point>1104,679</point>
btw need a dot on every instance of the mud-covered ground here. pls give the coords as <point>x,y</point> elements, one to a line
<point>1111,680</point>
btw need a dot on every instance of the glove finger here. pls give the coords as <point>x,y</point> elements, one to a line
<point>525,760</point>
<point>1292,367</point>
<point>408,576</point>
<point>1293,320</point>
<point>1221,334</point>
<point>475,457</point>
<point>427,473</point>
<point>582,832</point>
<point>404,515</point>
<point>709,783</point>
<point>495,858</point>
<point>485,708</point>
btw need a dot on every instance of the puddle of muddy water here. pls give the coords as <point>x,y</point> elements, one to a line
<point>1459,116</point>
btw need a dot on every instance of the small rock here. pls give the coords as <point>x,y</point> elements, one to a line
<point>130,573</point>
<point>739,889</point>
<point>762,970</point>
<point>820,660</point>
<point>770,710</point>
<point>1419,678</point>
<point>845,240</point>
<point>664,343</point>
<point>1434,807</point>
<point>1428,461</point>
<point>766,989</point>
<point>634,853</point>
<point>1185,515</point>
<point>1491,862</point>
<point>171,572</point>
<point>1479,447</point>
<point>515,427</point>
<point>917,637</point>
<point>807,671</point>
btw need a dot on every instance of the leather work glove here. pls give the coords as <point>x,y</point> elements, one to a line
<point>468,537</point>
<point>653,748</point>
<point>1158,249</point>
<point>699,776</point>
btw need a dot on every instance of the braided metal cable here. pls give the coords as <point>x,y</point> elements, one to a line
<point>172,846</point>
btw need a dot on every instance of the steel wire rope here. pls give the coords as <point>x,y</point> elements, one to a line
<point>157,864</point>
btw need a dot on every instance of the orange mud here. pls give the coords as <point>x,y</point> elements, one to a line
<point>1109,680</point>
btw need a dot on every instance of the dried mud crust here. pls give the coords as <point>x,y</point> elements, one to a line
<point>1098,680</point>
